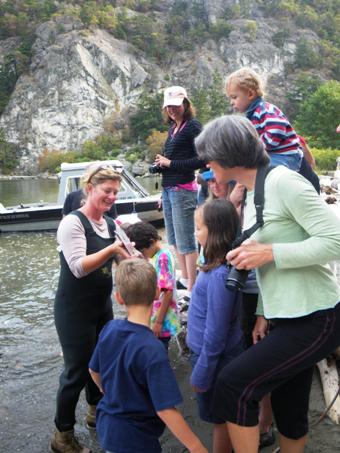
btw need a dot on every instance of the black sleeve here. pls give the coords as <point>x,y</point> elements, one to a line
<point>67,208</point>
<point>194,162</point>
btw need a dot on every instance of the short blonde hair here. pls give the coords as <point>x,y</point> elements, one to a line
<point>245,79</point>
<point>98,173</point>
<point>136,282</point>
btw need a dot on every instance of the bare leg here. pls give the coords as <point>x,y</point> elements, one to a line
<point>266,414</point>
<point>181,263</point>
<point>221,440</point>
<point>292,445</point>
<point>245,439</point>
<point>191,266</point>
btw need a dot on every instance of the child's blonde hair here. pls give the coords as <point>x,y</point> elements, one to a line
<point>136,282</point>
<point>245,79</point>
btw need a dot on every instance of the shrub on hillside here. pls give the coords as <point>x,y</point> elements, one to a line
<point>51,160</point>
<point>155,143</point>
<point>325,159</point>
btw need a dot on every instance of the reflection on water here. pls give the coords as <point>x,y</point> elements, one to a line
<point>29,276</point>
<point>23,191</point>
<point>29,273</point>
<point>13,192</point>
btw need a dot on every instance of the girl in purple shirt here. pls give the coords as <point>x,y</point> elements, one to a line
<point>214,335</point>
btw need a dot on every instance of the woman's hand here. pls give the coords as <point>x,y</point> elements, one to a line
<point>162,161</point>
<point>260,329</point>
<point>198,390</point>
<point>117,248</point>
<point>236,196</point>
<point>250,254</point>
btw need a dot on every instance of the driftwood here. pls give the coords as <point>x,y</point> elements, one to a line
<point>330,383</point>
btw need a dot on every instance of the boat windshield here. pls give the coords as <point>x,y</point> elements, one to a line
<point>128,190</point>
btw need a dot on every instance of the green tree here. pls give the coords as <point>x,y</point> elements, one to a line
<point>304,86</point>
<point>306,57</point>
<point>8,154</point>
<point>148,117</point>
<point>221,29</point>
<point>104,146</point>
<point>210,101</point>
<point>217,97</point>
<point>319,116</point>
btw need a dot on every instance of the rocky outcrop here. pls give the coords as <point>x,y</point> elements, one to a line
<point>77,80</point>
<point>81,80</point>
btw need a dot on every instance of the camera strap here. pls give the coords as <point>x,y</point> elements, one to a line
<point>261,175</point>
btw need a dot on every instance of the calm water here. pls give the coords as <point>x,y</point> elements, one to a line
<point>34,190</point>
<point>28,191</point>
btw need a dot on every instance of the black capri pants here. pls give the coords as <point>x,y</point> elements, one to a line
<point>281,364</point>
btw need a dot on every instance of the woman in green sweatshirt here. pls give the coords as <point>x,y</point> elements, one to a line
<point>300,295</point>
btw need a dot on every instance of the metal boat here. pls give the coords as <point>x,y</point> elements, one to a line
<point>132,199</point>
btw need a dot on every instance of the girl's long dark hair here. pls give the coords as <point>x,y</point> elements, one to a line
<point>222,221</point>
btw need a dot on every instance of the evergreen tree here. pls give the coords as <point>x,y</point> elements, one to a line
<point>319,116</point>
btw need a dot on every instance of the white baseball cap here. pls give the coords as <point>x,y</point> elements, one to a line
<point>174,96</point>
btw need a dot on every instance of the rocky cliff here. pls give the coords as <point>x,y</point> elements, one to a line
<point>80,78</point>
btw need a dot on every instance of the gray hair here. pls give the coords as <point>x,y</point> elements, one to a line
<point>231,141</point>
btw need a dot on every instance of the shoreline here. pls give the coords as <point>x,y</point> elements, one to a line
<point>18,177</point>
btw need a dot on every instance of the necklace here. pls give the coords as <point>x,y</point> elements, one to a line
<point>177,129</point>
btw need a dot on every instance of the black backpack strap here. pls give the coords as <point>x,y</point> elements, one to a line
<point>261,175</point>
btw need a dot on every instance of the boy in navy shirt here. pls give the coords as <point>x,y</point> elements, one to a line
<point>131,368</point>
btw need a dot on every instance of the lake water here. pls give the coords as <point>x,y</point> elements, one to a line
<point>30,190</point>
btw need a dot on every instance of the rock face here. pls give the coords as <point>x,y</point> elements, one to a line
<point>81,79</point>
<point>76,82</point>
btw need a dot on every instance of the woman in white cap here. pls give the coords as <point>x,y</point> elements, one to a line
<point>177,165</point>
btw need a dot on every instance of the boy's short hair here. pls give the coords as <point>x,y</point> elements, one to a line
<point>136,282</point>
<point>143,234</point>
<point>245,79</point>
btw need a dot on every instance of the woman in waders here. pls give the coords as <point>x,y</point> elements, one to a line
<point>83,303</point>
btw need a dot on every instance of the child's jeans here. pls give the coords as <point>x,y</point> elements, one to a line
<point>292,161</point>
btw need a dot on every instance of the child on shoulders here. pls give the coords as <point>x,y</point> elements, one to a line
<point>164,320</point>
<point>244,88</point>
<point>245,91</point>
<point>132,370</point>
<point>214,334</point>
